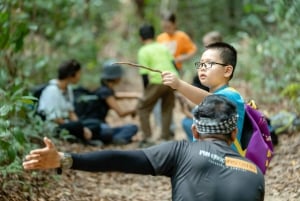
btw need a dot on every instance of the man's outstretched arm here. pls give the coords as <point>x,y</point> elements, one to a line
<point>129,161</point>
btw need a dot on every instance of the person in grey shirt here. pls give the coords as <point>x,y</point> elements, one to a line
<point>206,170</point>
<point>56,103</point>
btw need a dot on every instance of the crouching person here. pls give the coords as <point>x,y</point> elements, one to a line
<point>204,170</point>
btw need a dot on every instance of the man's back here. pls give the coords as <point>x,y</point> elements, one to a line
<point>207,170</point>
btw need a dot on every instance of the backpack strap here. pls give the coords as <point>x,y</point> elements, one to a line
<point>239,147</point>
<point>252,104</point>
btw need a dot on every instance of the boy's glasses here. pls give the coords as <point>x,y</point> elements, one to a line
<point>207,65</point>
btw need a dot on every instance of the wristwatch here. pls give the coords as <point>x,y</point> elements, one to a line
<point>66,162</point>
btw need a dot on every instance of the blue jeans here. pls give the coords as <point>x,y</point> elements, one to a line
<point>119,133</point>
<point>186,125</point>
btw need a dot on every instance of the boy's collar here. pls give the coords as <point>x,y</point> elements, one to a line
<point>220,88</point>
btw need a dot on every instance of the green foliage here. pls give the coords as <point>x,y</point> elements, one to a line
<point>268,46</point>
<point>51,32</point>
<point>14,27</point>
<point>35,37</point>
<point>18,128</point>
<point>292,91</point>
<point>279,48</point>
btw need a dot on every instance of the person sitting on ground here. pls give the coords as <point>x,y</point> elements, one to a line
<point>107,99</point>
<point>204,170</point>
<point>57,99</point>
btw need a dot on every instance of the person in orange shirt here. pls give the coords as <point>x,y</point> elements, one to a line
<point>182,48</point>
<point>179,43</point>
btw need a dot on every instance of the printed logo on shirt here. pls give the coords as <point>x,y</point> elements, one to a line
<point>228,162</point>
<point>213,158</point>
<point>241,164</point>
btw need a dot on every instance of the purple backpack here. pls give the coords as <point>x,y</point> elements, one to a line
<point>256,138</point>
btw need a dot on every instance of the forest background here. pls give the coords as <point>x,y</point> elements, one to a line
<point>37,35</point>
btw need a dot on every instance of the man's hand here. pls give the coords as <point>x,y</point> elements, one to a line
<point>45,158</point>
<point>73,116</point>
<point>170,79</point>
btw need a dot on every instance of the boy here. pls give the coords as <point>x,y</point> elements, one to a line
<point>215,70</point>
<point>208,38</point>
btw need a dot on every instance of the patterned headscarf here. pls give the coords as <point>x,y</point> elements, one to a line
<point>211,126</point>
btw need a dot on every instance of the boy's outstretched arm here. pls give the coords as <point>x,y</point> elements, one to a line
<point>194,94</point>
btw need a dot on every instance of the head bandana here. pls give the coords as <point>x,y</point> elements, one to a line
<point>211,126</point>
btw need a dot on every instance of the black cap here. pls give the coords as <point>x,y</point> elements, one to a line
<point>111,71</point>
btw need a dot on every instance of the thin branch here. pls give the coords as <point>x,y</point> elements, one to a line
<point>139,66</point>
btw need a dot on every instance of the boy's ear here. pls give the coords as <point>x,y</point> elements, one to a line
<point>228,71</point>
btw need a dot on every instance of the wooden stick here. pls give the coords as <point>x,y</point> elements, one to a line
<point>139,66</point>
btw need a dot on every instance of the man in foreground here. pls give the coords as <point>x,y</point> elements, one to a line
<point>204,170</point>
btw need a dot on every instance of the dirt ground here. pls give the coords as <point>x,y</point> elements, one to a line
<point>282,179</point>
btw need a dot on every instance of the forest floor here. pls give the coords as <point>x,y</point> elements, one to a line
<point>282,180</point>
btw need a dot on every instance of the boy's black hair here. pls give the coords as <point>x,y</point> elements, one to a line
<point>227,53</point>
<point>68,69</point>
<point>147,32</point>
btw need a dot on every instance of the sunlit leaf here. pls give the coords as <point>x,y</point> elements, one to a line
<point>5,109</point>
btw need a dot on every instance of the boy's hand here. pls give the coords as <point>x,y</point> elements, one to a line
<point>45,158</point>
<point>170,79</point>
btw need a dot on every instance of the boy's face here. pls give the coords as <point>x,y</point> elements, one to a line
<point>216,74</point>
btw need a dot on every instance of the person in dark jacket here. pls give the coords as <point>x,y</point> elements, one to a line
<point>107,99</point>
<point>204,170</point>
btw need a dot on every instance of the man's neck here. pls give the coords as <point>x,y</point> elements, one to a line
<point>63,84</point>
<point>216,138</point>
<point>147,41</point>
